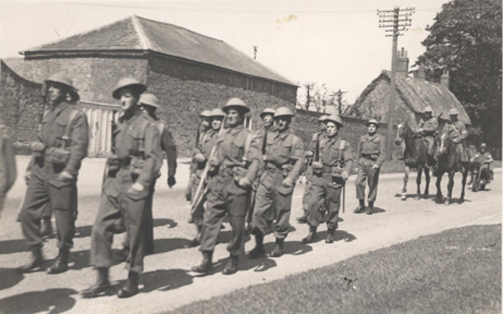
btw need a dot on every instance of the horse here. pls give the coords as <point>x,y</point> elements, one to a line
<point>449,160</point>
<point>415,157</point>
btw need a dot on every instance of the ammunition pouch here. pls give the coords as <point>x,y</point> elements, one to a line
<point>137,165</point>
<point>337,172</point>
<point>238,173</point>
<point>214,165</point>
<point>59,156</point>
<point>113,163</point>
<point>37,149</point>
<point>317,168</point>
<point>372,157</point>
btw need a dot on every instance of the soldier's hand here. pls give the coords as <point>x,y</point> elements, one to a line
<point>264,157</point>
<point>136,187</point>
<point>244,182</point>
<point>288,182</point>
<point>309,154</point>
<point>65,176</point>
<point>344,175</point>
<point>375,167</point>
<point>27,177</point>
<point>171,181</point>
<point>199,157</point>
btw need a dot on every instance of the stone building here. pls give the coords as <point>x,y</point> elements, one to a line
<point>188,71</point>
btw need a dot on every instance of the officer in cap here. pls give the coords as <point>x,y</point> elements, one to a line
<point>455,130</point>
<point>329,177</point>
<point>150,103</point>
<point>310,155</point>
<point>53,171</point>
<point>202,154</point>
<point>428,128</point>
<point>371,154</point>
<point>284,160</point>
<point>235,166</point>
<point>129,177</point>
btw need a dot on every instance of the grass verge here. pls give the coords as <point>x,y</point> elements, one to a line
<point>456,271</point>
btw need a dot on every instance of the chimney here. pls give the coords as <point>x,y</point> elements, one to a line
<point>402,63</point>
<point>445,79</point>
<point>420,73</point>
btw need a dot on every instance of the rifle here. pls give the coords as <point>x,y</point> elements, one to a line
<point>251,199</point>
<point>202,187</point>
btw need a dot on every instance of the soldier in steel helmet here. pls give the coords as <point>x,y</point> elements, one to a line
<point>428,128</point>
<point>284,160</point>
<point>53,171</point>
<point>310,156</point>
<point>131,171</point>
<point>330,174</point>
<point>455,130</point>
<point>150,103</point>
<point>234,167</point>
<point>371,154</point>
<point>202,154</point>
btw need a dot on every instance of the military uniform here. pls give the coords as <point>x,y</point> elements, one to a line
<point>429,130</point>
<point>371,151</point>
<point>456,131</point>
<point>46,186</point>
<point>7,164</point>
<point>137,155</point>
<point>273,201</point>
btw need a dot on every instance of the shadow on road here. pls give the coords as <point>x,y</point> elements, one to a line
<point>9,278</point>
<point>170,244</point>
<point>13,246</point>
<point>83,232</point>
<point>51,301</point>
<point>162,280</point>
<point>170,223</point>
<point>245,263</point>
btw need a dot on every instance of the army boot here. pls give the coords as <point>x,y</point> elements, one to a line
<point>197,239</point>
<point>330,236</point>
<point>60,265</point>
<point>46,227</point>
<point>360,208</point>
<point>371,207</point>
<point>311,236</point>
<point>36,260</point>
<point>206,266</point>
<point>302,219</point>
<point>278,250</point>
<point>232,265</point>
<point>258,250</point>
<point>130,288</point>
<point>101,287</point>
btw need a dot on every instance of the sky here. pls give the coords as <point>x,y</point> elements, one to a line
<point>337,43</point>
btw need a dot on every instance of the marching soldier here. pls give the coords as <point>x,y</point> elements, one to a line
<point>202,155</point>
<point>371,154</point>
<point>428,128</point>
<point>150,103</point>
<point>284,158</point>
<point>201,130</point>
<point>310,153</point>
<point>53,171</point>
<point>7,164</point>
<point>235,167</point>
<point>455,130</point>
<point>127,184</point>
<point>329,177</point>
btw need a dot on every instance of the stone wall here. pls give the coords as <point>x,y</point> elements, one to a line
<point>20,105</point>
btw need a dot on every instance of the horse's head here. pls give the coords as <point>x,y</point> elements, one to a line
<point>446,145</point>
<point>403,132</point>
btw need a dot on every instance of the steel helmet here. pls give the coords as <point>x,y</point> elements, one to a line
<point>205,114</point>
<point>334,118</point>
<point>283,112</point>
<point>217,112</point>
<point>483,145</point>
<point>323,118</point>
<point>236,102</point>
<point>453,112</point>
<point>150,100</point>
<point>428,109</point>
<point>131,83</point>
<point>62,78</point>
<point>267,111</point>
<point>373,121</point>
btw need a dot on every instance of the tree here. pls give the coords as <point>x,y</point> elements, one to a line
<point>466,40</point>
<point>319,96</point>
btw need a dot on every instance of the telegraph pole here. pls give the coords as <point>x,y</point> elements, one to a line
<point>397,24</point>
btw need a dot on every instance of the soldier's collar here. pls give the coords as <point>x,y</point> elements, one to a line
<point>62,106</point>
<point>236,129</point>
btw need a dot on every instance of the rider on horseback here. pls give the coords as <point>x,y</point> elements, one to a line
<point>428,128</point>
<point>455,130</point>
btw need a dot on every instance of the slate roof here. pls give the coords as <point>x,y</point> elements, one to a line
<point>418,93</point>
<point>137,34</point>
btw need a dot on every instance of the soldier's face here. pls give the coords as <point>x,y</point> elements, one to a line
<point>216,123</point>
<point>56,93</point>
<point>150,110</point>
<point>282,123</point>
<point>372,128</point>
<point>206,123</point>
<point>428,115</point>
<point>128,99</point>
<point>332,129</point>
<point>267,120</point>
<point>454,118</point>
<point>234,118</point>
<point>323,126</point>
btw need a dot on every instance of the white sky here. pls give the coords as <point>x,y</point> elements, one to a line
<point>337,43</point>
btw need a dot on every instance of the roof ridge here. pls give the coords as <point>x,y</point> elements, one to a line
<point>177,26</point>
<point>145,42</point>
<point>36,48</point>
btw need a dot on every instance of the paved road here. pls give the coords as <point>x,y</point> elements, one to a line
<point>167,284</point>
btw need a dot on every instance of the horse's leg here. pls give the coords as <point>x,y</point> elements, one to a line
<point>465,175</point>
<point>450,185</point>
<point>439,189</point>
<point>427,175</point>
<point>418,182</point>
<point>405,180</point>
